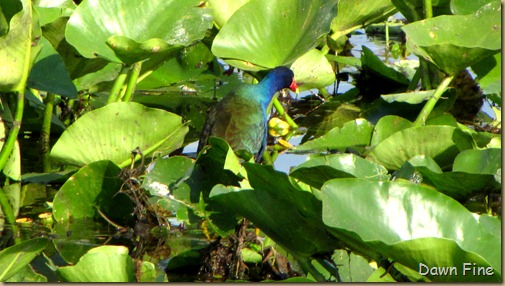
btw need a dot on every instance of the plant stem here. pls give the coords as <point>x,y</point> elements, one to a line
<point>425,74</point>
<point>118,83</point>
<point>428,9</point>
<point>387,41</point>
<point>70,106</point>
<point>132,83</point>
<point>277,104</point>
<point>430,104</point>
<point>13,134</point>
<point>9,215</point>
<point>415,79</point>
<point>46,131</point>
<point>267,158</point>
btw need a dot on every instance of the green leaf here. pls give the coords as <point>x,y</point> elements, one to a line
<point>287,214</point>
<point>251,256</point>
<point>412,97</point>
<point>327,116</point>
<point>321,168</point>
<point>175,22</point>
<point>101,264</point>
<point>487,161</point>
<point>187,66</point>
<point>250,38</point>
<point>15,46</point>
<point>130,51</point>
<point>489,75</point>
<point>477,37</point>
<point>353,15</point>
<point>351,267</point>
<point>387,126</point>
<point>112,132</point>
<point>356,133</point>
<point>27,275</point>
<point>167,176</point>
<point>373,65</point>
<point>459,185</point>
<point>463,7</point>
<point>319,75</point>
<point>222,10</point>
<point>442,143</point>
<point>409,223</point>
<point>14,258</point>
<point>49,72</point>
<point>94,187</point>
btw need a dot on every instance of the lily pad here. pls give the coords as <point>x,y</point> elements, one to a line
<point>459,185</point>
<point>15,46</point>
<point>353,134</point>
<point>487,161</point>
<point>130,51</point>
<point>388,125</point>
<point>49,72</point>
<point>489,75</point>
<point>176,22</point>
<point>14,258</point>
<point>109,263</point>
<point>454,42</point>
<point>399,221</point>
<point>93,188</point>
<point>222,10</point>
<point>321,168</point>
<point>250,38</point>
<point>441,143</point>
<point>312,70</point>
<point>353,15</point>
<point>287,214</point>
<point>112,132</point>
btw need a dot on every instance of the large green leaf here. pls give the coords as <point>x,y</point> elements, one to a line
<point>387,126</point>
<point>287,214</point>
<point>263,34</point>
<point>353,134</point>
<point>457,184</point>
<point>410,224</point>
<point>442,143</point>
<point>489,75</point>
<point>92,189</point>
<point>14,258</point>
<point>487,161</point>
<point>112,132</point>
<point>107,263</point>
<point>312,70</point>
<point>175,22</point>
<point>222,10</point>
<point>327,116</point>
<point>463,7</point>
<point>354,14</point>
<point>454,42</point>
<point>321,168</point>
<point>15,45</point>
<point>49,72</point>
<point>166,177</point>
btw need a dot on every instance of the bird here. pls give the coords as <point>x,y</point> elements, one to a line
<point>240,117</point>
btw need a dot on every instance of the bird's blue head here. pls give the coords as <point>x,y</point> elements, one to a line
<point>277,79</point>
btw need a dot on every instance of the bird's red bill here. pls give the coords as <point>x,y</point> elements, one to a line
<point>293,86</point>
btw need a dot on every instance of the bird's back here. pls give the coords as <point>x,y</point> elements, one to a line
<point>240,119</point>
